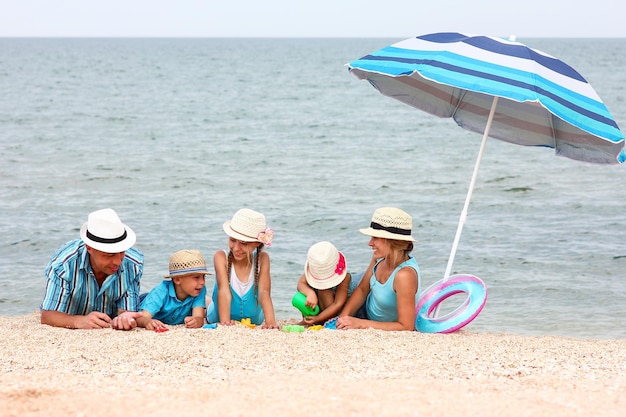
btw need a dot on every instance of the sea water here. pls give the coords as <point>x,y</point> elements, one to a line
<point>178,134</point>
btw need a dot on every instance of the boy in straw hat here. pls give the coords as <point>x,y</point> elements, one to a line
<point>93,282</point>
<point>386,297</point>
<point>325,282</point>
<point>242,274</point>
<point>180,298</point>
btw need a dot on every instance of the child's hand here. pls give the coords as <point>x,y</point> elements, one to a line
<point>228,323</point>
<point>155,324</point>
<point>192,322</point>
<point>270,326</point>
<point>309,320</point>
<point>311,300</point>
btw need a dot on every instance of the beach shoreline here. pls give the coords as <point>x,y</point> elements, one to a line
<point>241,371</point>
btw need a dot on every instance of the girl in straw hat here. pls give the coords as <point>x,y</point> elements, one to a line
<point>242,275</point>
<point>325,282</point>
<point>386,297</point>
<point>180,298</point>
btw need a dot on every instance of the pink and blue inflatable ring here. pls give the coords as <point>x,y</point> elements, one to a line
<point>434,295</point>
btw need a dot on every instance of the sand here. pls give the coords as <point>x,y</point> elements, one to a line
<point>238,371</point>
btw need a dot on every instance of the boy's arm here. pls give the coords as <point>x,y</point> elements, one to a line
<point>196,320</point>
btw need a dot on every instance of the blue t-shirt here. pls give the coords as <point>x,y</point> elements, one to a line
<point>162,303</point>
<point>71,285</point>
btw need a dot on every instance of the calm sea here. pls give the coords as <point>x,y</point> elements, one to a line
<point>177,134</point>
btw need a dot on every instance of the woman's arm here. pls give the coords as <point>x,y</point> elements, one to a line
<point>405,287</point>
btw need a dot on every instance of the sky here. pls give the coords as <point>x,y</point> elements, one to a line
<point>315,18</point>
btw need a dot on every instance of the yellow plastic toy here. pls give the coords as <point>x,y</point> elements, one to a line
<point>246,322</point>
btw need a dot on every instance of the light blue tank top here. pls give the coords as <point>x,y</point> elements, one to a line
<point>241,307</point>
<point>382,303</point>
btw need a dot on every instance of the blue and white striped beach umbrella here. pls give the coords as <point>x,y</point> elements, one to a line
<point>454,75</point>
<point>501,89</point>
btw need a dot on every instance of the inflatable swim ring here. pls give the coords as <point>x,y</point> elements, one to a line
<point>434,295</point>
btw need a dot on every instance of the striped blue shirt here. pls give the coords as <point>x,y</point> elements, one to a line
<point>71,285</point>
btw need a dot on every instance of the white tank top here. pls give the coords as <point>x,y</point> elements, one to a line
<point>237,285</point>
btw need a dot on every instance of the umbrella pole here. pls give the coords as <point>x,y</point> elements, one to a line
<point>469,193</point>
<point>468,198</point>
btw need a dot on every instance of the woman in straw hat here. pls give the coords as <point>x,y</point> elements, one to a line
<point>242,275</point>
<point>325,282</point>
<point>386,297</point>
<point>180,297</point>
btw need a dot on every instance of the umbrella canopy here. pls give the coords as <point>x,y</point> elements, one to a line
<point>454,75</point>
<point>500,88</point>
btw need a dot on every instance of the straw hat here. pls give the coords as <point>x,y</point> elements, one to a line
<point>187,261</point>
<point>390,223</point>
<point>249,226</point>
<point>325,266</point>
<point>105,232</point>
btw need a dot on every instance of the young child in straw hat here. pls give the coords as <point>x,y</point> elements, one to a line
<point>386,297</point>
<point>325,282</point>
<point>242,274</point>
<point>180,298</point>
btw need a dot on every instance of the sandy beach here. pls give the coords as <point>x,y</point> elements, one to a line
<point>236,370</point>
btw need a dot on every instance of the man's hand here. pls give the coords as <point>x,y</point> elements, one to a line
<point>126,321</point>
<point>93,320</point>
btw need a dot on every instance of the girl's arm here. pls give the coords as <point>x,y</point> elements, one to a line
<point>333,309</point>
<point>305,288</point>
<point>224,297</point>
<point>265,290</point>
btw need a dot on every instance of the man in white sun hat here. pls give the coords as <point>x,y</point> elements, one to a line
<point>93,282</point>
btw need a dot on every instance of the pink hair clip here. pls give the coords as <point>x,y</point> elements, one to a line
<point>266,236</point>
<point>341,264</point>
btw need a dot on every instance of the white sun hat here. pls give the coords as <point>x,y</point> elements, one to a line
<point>249,226</point>
<point>104,231</point>
<point>325,266</point>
